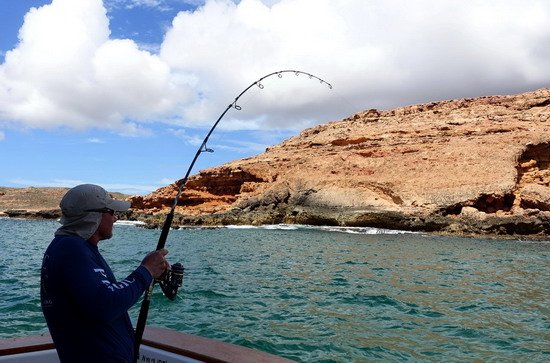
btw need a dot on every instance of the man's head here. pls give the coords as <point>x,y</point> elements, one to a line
<point>87,210</point>
<point>87,198</point>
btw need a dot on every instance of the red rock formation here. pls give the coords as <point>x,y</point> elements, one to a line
<point>414,167</point>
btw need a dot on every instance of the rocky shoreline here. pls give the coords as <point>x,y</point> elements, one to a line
<point>32,214</point>
<point>469,223</point>
<point>462,167</point>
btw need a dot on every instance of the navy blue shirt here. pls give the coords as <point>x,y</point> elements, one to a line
<point>85,308</point>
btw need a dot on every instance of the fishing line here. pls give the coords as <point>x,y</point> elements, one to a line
<point>224,134</point>
<point>171,285</point>
<point>345,100</point>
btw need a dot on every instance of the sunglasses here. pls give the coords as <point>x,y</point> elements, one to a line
<point>102,210</point>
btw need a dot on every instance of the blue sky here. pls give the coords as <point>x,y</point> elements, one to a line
<point>121,92</point>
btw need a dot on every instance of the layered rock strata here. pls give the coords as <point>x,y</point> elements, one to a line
<point>461,166</point>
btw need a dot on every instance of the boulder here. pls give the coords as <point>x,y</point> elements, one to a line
<point>535,196</point>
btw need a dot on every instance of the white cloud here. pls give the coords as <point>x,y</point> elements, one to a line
<point>2,136</point>
<point>126,188</point>
<point>379,53</point>
<point>67,72</point>
<point>95,140</point>
<point>59,183</point>
<point>194,140</point>
<point>227,142</point>
<point>375,53</point>
<point>150,3</point>
<point>166,181</point>
<point>240,146</point>
<point>130,4</point>
<point>161,5</point>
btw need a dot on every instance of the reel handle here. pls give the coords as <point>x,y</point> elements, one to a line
<point>172,280</point>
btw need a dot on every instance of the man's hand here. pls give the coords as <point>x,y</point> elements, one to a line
<point>155,262</point>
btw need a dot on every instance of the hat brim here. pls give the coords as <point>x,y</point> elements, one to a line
<point>118,205</point>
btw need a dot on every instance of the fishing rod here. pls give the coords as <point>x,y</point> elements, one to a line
<point>173,280</point>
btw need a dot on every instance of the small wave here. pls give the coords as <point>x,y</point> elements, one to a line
<point>282,226</point>
<point>266,226</point>
<point>198,228</point>
<point>350,230</point>
<point>129,223</point>
<point>363,230</point>
<point>211,294</point>
<point>467,307</point>
<point>244,226</point>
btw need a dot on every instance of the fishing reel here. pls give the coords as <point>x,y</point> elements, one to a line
<point>171,280</point>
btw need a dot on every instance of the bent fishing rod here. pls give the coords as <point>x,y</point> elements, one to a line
<point>173,280</point>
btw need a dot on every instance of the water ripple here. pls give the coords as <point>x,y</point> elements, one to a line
<point>318,295</point>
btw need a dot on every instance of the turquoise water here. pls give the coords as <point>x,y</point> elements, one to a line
<point>317,295</point>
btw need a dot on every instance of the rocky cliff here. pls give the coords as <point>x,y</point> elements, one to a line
<point>461,166</point>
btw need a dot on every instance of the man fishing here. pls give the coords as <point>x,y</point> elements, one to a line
<point>85,308</point>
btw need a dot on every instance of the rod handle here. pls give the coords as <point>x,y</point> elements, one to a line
<point>142,320</point>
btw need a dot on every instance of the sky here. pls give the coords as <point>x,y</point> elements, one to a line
<point>121,93</point>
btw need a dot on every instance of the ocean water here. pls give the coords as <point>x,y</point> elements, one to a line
<point>321,294</point>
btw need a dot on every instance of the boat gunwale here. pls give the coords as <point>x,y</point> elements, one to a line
<point>192,346</point>
<point>27,344</point>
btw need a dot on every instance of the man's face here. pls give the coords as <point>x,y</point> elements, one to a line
<point>105,229</point>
